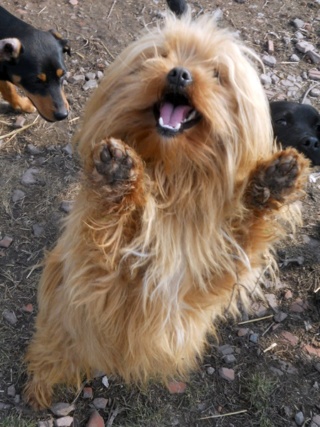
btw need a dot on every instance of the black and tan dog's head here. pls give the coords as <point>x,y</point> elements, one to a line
<point>297,125</point>
<point>40,72</point>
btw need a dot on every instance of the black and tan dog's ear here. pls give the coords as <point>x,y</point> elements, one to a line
<point>63,42</point>
<point>178,7</point>
<point>10,49</point>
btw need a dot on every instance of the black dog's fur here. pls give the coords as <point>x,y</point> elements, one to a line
<point>297,125</point>
<point>39,70</point>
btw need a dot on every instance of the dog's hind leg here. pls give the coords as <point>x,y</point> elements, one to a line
<point>50,357</point>
<point>16,101</point>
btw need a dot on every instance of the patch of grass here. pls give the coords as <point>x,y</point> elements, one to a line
<point>260,390</point>
<point>16,421</point>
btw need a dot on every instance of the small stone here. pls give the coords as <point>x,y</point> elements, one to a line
<point>254,338</point>
<point>6,242</point>
<point>177,387</point>
<point>288,294</point>
<point>90,84</point>
<point>20,121</point>
<point>265,79</point>
<point>37,229</point>
<point>68,149</point>
<point>18,195</point>
<point>87,393</point>
<point>314,56</point>
<point>294,58</point>
<point>28,178</point>
<point>99,75</point>
<point>272,301</point>
<point>46,423</point>
<point>275,79</point>
<point>32,149</point>
<point>299,418</point>
<point>63,422</point>
<point>298,23</point>
<point>314,74</point>
<point>243,332</point>
<point>269,60</point>
<point>225,349</point>
<point>317,366</point>
<point>229,359</point>
<point>290,338</point>
<point>95,420</point>
<point>298,306</point>
<point>313,351</point>
<point>304,46</point>
<point>259,309</point>
<point>76,79</point>
<point>17,399</point>
<point>66,206</point>
<point>315,93</point>
<point>105,381</point>
<point>316,420</point>
<point>90,76</point>
<point>11,391</point>
<point>100,402</point>
<point>227,374</point>
<point>9,316</point>
<point>276,371</point>
<point>210,370</point>
<point>73,2</point>
<point>280,316</point>
<point>5,406</point>
<point>62,409</point>
<point>28,308</point>
<point>298,36</point>
<point>270,46</point>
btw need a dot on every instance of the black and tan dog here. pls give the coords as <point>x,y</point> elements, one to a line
<point>39,69</point>
<point>297,125</point>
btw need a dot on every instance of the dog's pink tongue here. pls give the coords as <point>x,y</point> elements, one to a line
<point>172,115</point>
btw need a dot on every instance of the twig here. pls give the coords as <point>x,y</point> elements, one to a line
<point>256,320</point>
<point>273,345</point>
<point>270,326</point>
<point>243,411</point>
<point>113,416</point>
<point>16,131</point>
<point>111,8</point>
<point>74,119</point>
<point>107,50</point>
<point>79,392</point>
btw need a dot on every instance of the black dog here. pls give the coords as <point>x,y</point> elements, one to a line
<point>39,69</point>
<point>297,125</point>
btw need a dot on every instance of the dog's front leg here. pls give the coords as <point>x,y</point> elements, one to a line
<point>16,101</point>
<point>276,182</point>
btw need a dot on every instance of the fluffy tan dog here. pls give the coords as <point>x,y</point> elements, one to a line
<point>182,199</point>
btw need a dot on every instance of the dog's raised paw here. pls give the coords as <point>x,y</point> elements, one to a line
<point>113,161</point>
<point>277,179</point>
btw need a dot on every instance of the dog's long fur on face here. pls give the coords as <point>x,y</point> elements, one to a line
<point>169,225</point>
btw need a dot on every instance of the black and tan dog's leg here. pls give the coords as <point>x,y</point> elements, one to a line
<point>277,181</point>
<point>10,94</point>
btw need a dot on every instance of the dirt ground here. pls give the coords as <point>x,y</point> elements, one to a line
<point>275,360</point>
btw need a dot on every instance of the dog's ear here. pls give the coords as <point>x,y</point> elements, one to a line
<point>63,42</point>
<point>178,7</point>
<point>10,50</point>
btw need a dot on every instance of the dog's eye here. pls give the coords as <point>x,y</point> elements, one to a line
<point>282,122</point>
<point>216,74</point>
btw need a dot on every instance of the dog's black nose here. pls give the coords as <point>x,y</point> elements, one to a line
<point>312,142</point>
<point>60,115</point>
<point>179,77</point>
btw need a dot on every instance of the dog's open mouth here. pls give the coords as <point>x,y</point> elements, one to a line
<point>174,114</point>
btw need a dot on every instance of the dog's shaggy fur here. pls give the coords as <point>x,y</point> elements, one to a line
<point>169,225</point>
